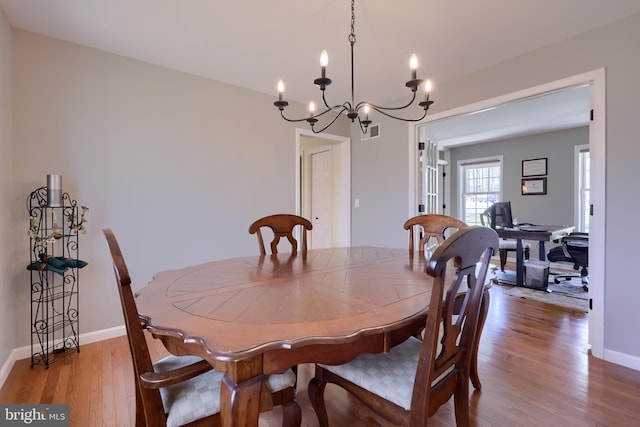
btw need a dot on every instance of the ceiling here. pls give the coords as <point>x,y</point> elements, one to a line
<point>561,109</point>
<point>254,43</point>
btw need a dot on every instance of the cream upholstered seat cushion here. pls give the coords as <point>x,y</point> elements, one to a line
<point>199,397</point>
<point>389,375</point>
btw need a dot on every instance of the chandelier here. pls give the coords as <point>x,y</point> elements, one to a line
<point>350,107</point>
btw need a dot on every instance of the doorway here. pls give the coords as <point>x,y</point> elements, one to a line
<point>597,148</point>
<point>323,187</point>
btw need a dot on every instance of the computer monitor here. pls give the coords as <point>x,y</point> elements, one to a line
<point>501,215</point>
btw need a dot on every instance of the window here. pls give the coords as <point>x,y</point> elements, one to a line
<point>584,169</point>
<point>480,187</point>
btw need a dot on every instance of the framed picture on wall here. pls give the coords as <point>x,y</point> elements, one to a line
<point>534,167</point>
<point>534,186</point>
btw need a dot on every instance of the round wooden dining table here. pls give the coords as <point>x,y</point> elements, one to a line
<point>258,315</point>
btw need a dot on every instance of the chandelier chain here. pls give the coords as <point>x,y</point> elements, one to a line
<point>352,36</point>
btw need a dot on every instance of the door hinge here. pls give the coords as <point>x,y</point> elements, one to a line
<point>420,145</point>
<point>421,208</point>
<point>590,303</point>
<point>591,209</point>
<point>591,115</point>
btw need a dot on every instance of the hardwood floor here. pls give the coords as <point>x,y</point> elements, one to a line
<point>534,366</point>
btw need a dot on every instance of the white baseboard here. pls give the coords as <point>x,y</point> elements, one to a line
<point>88,338</point>
<point>622,359</point>
<point>618,358</point>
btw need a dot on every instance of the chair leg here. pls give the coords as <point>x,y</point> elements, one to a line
<point>316,396</point>
<point>503,258</point>
<point>584,278</point>
<point>291,414</point>
<point>461,403</point>
<point>141,420</point>
<point>484,309</point>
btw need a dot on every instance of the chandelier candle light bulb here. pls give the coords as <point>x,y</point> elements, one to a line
<point>280,90</point>
<point>312,118</point>
<point>413,64</point>
<point>324,61</point>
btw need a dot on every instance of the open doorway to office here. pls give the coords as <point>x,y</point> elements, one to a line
<point>323,187</point>
<point>595,81</point>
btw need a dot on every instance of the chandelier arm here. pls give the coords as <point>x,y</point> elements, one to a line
<point>379,107</point>
<point>330,123</point>
<point>343,108</point>
<point>292,120</point>
<point>329,109</point>
<point>399,118</point>
<point>324,99</point>
<point>345,104</point>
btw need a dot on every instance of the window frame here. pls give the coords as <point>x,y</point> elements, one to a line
<point>582,204</point>
<point>463,165</point>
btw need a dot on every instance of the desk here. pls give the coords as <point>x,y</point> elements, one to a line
<point>541,233</point>
<point>261,315</point>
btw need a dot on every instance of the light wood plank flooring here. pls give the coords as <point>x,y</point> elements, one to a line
<point>534,366</point>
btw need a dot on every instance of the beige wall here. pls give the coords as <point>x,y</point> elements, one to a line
<point>178,166</point>
<point>7,298</point>
<point>612,47</point>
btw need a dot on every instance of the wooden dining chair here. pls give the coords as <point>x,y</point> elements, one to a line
<point>183,390</point>
<point>437,226</point>
<point>433,226</point>
<point>409,383</point>
<point>282,225</point>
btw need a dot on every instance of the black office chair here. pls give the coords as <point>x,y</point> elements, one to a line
<point>574,248</point>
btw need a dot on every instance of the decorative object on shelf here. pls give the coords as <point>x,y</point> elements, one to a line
<point>54,190</point>
<point>74,223</point>
<point>55,221</point>
<point>350,107</point>
<point>56,264</point>
<point>52,234</point>
<point>534,186</point>
<point>534,167</point>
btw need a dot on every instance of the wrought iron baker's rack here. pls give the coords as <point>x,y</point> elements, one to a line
<point>54,294</point>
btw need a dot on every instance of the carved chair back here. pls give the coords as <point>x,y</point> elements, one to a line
<point>282,225</point>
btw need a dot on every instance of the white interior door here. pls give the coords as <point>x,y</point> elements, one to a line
<point>321,184</point>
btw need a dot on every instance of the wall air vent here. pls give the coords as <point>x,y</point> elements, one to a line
<point>373,131</point>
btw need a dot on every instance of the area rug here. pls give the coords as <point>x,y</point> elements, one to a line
<point>565,294</point>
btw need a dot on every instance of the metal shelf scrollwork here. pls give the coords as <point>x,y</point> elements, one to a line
<point>54,268</point>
